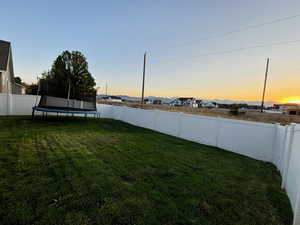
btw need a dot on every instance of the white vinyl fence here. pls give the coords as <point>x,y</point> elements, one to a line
<point>17,104</point>
<point>273,143</point>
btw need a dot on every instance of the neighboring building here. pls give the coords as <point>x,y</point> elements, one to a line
<point>111,98</point>
<point>187,102</point>
<point>157,102</point>
<point>7,83</point>
<point>192,102</point>
<point>289,108</point>
<point>6,68</point>
<point>148,101</point>
<point>210,105</point>
<point>182,101</point>
<point>198,103</point>
<point>19,89</point>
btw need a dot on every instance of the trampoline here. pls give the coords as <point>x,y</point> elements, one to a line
<point>50,104</point>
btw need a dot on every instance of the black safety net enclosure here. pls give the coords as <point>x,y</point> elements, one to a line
<point>68,85</point>
<point>66,104</point>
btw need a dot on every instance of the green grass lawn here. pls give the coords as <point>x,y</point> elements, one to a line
<point>88,171</point>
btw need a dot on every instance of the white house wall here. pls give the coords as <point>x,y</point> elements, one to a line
<point>7,76</point>
<point>6,82</point>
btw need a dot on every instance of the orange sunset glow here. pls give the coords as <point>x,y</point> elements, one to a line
<point>292,99</point>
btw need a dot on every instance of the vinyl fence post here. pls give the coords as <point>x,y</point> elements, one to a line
<point>276,125</point>
<point>297,210</point>
<point>283,149</point>
<point>288,154</point>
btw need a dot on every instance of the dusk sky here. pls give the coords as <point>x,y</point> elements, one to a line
<point>178,36</point>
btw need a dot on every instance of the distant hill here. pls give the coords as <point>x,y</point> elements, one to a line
<point>168,100</point>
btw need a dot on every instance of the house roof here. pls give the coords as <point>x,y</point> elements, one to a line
<point>4,54</point>
<point>184,99</point>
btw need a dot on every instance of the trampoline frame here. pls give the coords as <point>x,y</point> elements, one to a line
<point>57,111</point>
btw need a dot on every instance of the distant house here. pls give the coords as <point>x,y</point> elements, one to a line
<point>19,89</point>
<point>193,102</point>
<point>157,102</point>
<point>148,101</point>
<point>289,108</point>
<point>111,98</point>
<point>183,101</point>
<point>7,83</point>
<point>198,103</point>
<point>210,105</point>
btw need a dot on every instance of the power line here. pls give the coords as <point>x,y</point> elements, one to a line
<point>239,30</point>
<point>230,51</point>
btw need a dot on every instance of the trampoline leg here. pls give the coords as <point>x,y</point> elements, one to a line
<point>32,115</point>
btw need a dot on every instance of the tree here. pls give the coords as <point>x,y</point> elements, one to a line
<point>31,89</point>
<point>18,80</point>
<point>69,72</point>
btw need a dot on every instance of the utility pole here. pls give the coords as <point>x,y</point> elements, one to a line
<point>143,87</point>
<point>265,84</point>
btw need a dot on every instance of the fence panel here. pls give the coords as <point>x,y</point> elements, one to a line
<point>105,110</point>
<point>129,115</point>
<point>117,113</point>
<point>199,128</point>
<point>22,104</point>
<point>167,122</point>
<point>145,118</point>
<point>247,138</point>
<point>3,104</point>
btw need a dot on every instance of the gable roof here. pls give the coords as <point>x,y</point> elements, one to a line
<point>184,99</point>
<point>4,54</point>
